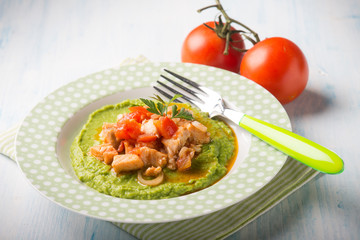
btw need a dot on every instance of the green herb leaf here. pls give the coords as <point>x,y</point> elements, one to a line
<point>175,97</point>
<point>152,107</point>
<point>161,107</point>
<point>183,114</point>
<point>174,110</point>
<point>158,98</point>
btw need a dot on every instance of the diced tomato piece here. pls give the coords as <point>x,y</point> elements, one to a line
<point>128,129</point>
<point>166,127</point>
<point>121,133</point>
<point>138,113</point>
<point>146,138</point>
<point>139,109</point>
<point>137,116</point>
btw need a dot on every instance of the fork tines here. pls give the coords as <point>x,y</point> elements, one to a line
<point>165,94</point>
<point>177,88</point>
<point>188,81</point>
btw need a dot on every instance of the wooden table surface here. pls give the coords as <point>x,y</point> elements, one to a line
<point>45,44</point>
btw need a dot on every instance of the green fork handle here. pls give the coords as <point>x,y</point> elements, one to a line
<point>297,147</point>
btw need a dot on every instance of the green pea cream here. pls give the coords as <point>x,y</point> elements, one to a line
<point>209,166</point>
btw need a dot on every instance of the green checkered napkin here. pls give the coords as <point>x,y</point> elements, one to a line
<point>215,225</point>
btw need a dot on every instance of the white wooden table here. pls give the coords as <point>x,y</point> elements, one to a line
<point>45,44</point>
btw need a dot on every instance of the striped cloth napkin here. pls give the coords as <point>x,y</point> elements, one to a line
<point>7,142</point>
<point>217,225</point>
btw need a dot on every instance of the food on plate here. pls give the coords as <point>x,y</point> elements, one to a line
<point>143,149</point>
<point>278,65</point>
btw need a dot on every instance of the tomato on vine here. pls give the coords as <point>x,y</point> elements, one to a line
<point>217,43</point>
<point>204,46</point>
<point>279,66</point>
<point>275,63</point>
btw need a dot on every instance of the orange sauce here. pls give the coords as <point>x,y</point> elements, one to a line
<point>193,174</point>
<point>185,176</point>
<point>232,160</point>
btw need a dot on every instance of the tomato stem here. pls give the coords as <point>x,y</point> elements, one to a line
<point>224,30</point>
<point>226,51</point>
<point>211,6</point>
<point>257,39</point>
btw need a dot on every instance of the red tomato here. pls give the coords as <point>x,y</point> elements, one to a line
<point>166,127</point>
<point>204,46</point>
<point>279,66</point>
<point>139,109</point>
<point>128,129</point>
<point>138,113</point>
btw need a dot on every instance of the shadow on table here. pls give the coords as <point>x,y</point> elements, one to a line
<point>309,102</point>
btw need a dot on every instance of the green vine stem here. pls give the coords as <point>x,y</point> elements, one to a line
<point>224,30</point>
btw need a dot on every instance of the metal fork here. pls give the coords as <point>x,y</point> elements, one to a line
<point>295,146</point>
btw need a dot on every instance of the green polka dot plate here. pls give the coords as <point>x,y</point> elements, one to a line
<point>44,138</point>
